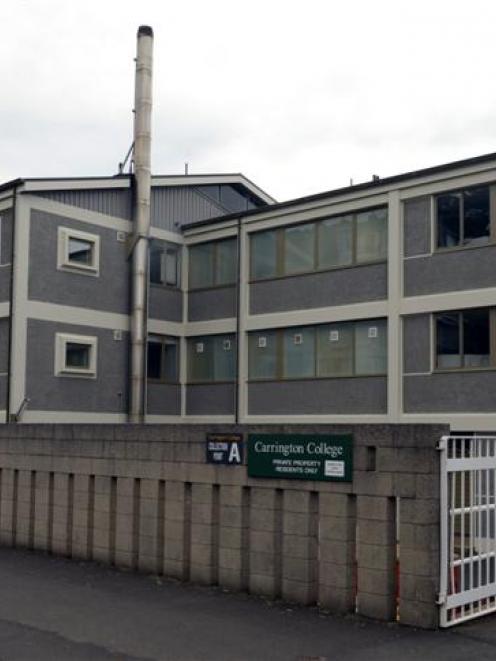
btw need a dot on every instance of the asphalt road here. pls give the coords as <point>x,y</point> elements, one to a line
<point>56,609</point>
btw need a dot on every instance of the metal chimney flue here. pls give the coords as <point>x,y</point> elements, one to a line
<point>141,220</point>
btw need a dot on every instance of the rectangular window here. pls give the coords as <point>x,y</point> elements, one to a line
<point>262,352</point>
<point>463,218</point>
<point>299,249</point>
<point>335,349</point>
<point>263,250</point>
<point>335,245</point>
<point>163,359</point>
<point>164,264</point>
<point>75,355</point>
<point>463,339</point>
<point>352,348</point>
<point>299,352</point>
<point>211,358</point>
<point>330,243</point>
<point>371,236</point>
<point>213,264</point>
<point>78,251</point>
<point>370,347</point>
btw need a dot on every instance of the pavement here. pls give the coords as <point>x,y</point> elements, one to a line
<point>57,609</point>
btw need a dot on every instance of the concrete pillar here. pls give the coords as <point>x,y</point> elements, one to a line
<point>60,542</point>
<point>25,509</point>
<point>233,533</point>
<point>150,527</point>
<point>266,541</point>
<point>204,533</point>
<point>42,512</point>
<point>124,522</point>
<point>177,529</point>
<point>103,519</point>
<point>81,517</point>
<point>8,506</point>
<point>337,533</point>
<point>299,547</point>
<point>376,557</point>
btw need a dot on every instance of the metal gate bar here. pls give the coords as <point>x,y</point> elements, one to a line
<point>468,528</point>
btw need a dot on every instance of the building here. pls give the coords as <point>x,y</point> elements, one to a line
<point>374,303</point>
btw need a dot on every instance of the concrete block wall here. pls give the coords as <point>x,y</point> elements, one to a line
<point>143,498</point>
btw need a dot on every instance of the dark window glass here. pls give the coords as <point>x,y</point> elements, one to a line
<point>448,340</point>
<point>476,216</point>
<point>226,262</point>
<point>448,220</point>
<point>154,358</point>
<point>201,265</point>
<point>263,249</point>
<point>156,265</point>
<point>212,358</point>
<point>77,355</point>
<point>262,352</point>
<point>164,264</point>
<point>81,251</point>
<point>476,338</point>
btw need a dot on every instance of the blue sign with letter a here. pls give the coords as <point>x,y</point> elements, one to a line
<point>226,449</point>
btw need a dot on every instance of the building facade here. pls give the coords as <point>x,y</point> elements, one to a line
<point>374,303</point>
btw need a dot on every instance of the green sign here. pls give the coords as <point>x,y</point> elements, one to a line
<point>323,457</point>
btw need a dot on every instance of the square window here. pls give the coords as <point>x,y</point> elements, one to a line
<point>75,355</point>
<point>78,251</point>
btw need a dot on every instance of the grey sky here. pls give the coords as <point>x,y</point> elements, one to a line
<point>299,96</point>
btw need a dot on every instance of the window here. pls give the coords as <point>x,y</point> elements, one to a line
<point>164,264</point>
<point>463,218</point>
<point>331,243</point>
<point>213,264</point>
<point>78,251</point>
<point>463,339</point>
<point>325,351</point>
<point>211,358</point>
<point>163,359</point>
<point>75,355</point>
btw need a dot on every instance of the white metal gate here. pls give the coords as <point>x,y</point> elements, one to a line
<point>468,525</point>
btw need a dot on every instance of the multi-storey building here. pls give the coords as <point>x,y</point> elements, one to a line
<point>373,303</point>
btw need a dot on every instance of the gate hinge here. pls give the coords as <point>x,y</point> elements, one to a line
<point>440,598</point>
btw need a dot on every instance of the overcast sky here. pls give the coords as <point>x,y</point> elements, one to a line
<point>299,96</point>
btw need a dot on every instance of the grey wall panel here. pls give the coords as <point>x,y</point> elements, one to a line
<point>173,207</point>
<point>165,304</point>
<point>163,399</point>
<point>113,202</point>
<point>3,392</point>
<point>417,343</point>
<point>472,268</point>
<point>456,392</point>
<point>417,226</point>
<point>339,287</point>
<point>6,253</point>
<point>218,303</point>
<point>109,291</point>
<point>6,236</point>
<point>4,345</point>
<point>105,394</point>
<point>319,396</point>
<point>210,399</point>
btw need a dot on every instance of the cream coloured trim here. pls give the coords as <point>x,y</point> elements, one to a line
<point>457,421</point>
<point>163,419</point>
<point>211,419</point>
<point>4,309</point>
<point>75,417</point>
<point>161,327</point>
<point>77,213</point>
<point>62,369</point>
<point>166,235</point>
<point>395,269</point>
<point>317,315</point>
<point>199,179</point>
<point>453,300</point>
<point>244,294</point>
<point>64,263</point>
<point>74,184</point>
<point>77,316</point>
<point>183,357</point>
<point>328,419</point>
<point>210,233</point>
<point>6,204</point>
<point>212,327</point>
<point>18,347</point>
<point>450,182</point>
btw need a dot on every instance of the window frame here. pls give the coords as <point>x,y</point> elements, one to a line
<point>214,273</point>
<point>491,238</point>
<point>64,263</point>
<point>280,270</point>
<point>462,368</point>
<point>163,340</point>
<point>62,369</point>
<point>279,352</point>
<point>164,246</point>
